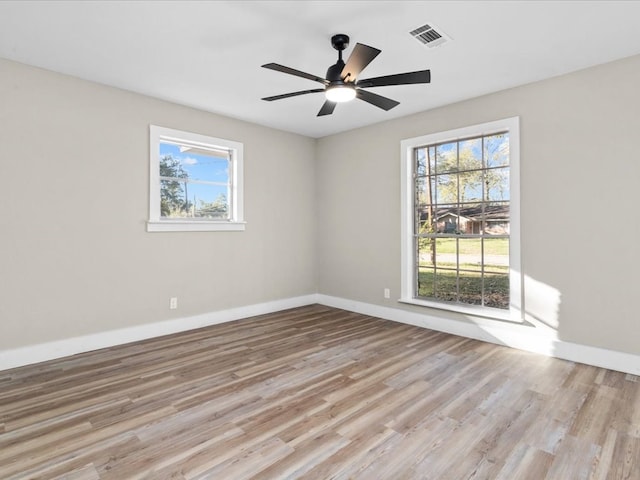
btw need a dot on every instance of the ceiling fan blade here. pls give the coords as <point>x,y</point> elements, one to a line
<point>377,100</point>
<point>422,76</point>
<point>360,57</point>
<point>292,71</point>
<point>292,94</point>
<point>327,108</point>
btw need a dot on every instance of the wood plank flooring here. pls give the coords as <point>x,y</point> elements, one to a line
<point>317,393</point>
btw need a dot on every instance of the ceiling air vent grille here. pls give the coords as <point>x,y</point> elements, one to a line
<point>430,35</point>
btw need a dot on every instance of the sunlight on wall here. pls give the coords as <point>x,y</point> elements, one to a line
<point>541,304</point>
<point>539,333</point>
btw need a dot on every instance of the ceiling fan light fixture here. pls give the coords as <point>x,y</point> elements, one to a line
<point>340,93</point>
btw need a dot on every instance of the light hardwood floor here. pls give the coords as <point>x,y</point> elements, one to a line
<point>317,393</point>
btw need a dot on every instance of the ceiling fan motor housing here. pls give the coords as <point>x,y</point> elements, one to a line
<point>334,73</point>
<point>340,41</point>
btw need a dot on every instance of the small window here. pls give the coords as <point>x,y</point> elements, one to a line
<point>460,211</point>
<point>195,182</point>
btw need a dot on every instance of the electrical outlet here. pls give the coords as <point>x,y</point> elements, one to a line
<point>387,293</point>
<point>173,303</point>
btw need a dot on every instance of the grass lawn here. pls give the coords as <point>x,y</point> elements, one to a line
<point>445,287</point>
<point>492,246</point>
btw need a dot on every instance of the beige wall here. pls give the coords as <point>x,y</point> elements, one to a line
<point>580,167</point>
<point>322,215</point>
<point>75,256</point>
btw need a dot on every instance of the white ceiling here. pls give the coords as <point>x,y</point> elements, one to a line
<point>208,54</point>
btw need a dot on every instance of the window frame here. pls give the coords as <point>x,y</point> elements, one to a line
<point>409,267</point>
<point>156,223</point>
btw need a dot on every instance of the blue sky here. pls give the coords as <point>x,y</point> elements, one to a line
<point>496,153</point>
<point>200,168</point>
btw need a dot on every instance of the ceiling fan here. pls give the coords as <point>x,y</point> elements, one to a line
<point>342,84</point>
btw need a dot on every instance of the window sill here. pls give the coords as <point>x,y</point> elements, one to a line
<point>187,226</point>
<point>473,311</point>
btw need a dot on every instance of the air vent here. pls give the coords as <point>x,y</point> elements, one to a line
<point>430,35</point>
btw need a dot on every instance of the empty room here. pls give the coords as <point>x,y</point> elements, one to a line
<point>319,240</point>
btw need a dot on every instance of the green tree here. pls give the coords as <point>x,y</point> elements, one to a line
<point>173,200</point>
<point>219,208</point>
<point>465,179</point>
<point>496,152</point>
<point>425,200</point>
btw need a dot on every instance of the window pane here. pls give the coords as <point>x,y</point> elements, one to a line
<point>429,224</point>
<point>496,255</point>
<point>470,287</point>
<point>424,210</point>
<point>496,150</point>
<point>426,252</point>
<point>496,291</point>
<point>421,191</point>
<point>208,201</point>
<point>470,253</point>
<point>431,158</point>
<point>446,158</point>
<point>446,252</point>
<point>470,157</point>
<point>421,159</point>
<point>427,220</point>
<point>424,221</point>
<point>446,218</point>
<point>446,188</point>
<point>470,186</point>
<point>446,285</point>
<point>431,191</point>
<point>420,221</point>
<point>496,184</point>
<point>173,202</point>
<point>193,200</point>
<point>425,161</point>
<point>426,282</point>
<point>496,219</point>
<point>471,216</point>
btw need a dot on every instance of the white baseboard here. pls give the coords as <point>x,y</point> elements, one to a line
<point>70,346</point>
<point>510,335</point>
<point>502,333</point>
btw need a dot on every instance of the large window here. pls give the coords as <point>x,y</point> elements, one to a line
<point>195,182</point>
<point>460,228</point>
